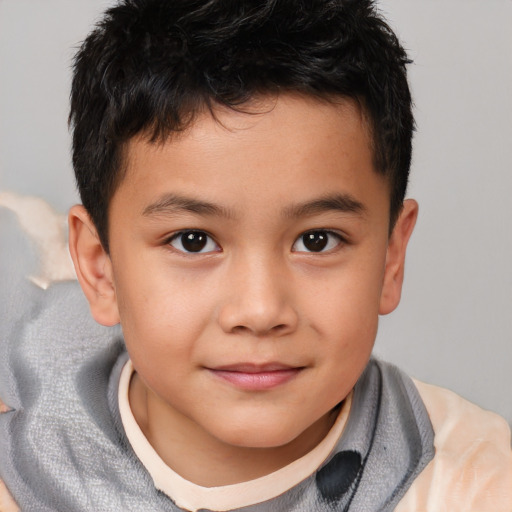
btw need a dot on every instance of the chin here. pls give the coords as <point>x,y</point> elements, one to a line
<point>255,435</point>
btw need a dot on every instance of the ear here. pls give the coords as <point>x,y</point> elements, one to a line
<point>93,267</point>
<point>395,257</point>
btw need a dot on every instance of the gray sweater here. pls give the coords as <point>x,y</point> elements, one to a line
<point>66,450</point>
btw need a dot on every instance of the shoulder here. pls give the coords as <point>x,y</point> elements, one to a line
<point>472,467</point>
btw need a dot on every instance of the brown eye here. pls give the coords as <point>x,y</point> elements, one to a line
<point>193,242</point>
<point>317,241</point>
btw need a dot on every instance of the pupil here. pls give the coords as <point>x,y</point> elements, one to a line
<point>193,241</point>
<point>315,241</point>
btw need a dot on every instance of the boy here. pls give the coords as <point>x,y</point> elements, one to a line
<point>243,171</point>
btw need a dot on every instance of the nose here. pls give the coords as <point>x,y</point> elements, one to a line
<point>259,300</point>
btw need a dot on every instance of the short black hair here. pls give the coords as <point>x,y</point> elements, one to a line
<point>150,66</point>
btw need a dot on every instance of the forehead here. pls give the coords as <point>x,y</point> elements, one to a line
<point>279,148</point>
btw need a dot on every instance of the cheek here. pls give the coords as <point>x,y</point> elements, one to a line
<point>343,310</point>
<point>345,300</point>
<point>161,314</point>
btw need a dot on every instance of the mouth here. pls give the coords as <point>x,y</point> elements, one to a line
<point>255,377</point>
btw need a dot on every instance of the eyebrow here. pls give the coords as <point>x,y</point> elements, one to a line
<point>173,204</point>
<point>345,203</point>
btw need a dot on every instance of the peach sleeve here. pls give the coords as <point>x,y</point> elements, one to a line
<point>472,468</point>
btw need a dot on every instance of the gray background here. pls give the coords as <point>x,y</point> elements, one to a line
<point>454,326</point>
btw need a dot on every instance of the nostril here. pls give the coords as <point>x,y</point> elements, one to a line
<point>240,329</point>
<point>243,329</point>
<point>258,318</point>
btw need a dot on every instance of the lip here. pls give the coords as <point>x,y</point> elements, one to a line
<point>256,377</point>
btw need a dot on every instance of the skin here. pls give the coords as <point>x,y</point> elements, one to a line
<point>7,504</point>
<point>193,322</point>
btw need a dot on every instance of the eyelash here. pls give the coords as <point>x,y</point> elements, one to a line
<point>329,235</point>
<point>323,239</point>
<point>191,233</point>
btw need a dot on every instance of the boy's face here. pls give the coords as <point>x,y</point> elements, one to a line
<point>249,260</point>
